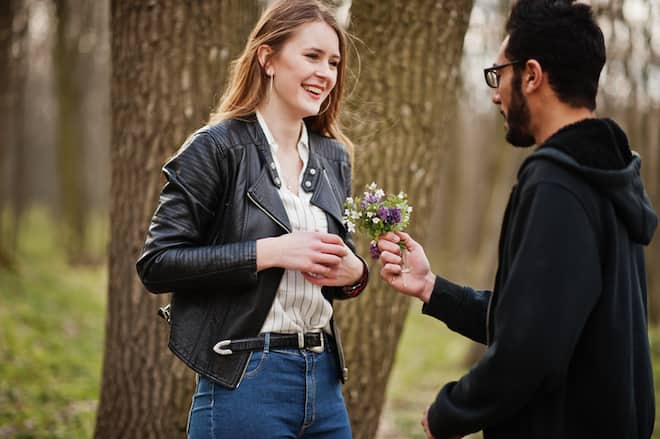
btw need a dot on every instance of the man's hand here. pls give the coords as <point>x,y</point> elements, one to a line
<point>427,430</point>
<point>417,280</point>
<point>425,425</point>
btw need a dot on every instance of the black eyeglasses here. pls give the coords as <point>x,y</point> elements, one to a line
<point>492,75</point>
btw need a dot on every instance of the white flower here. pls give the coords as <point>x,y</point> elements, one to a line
<point>380,193</point>
<point>409,209</point>
<point>355,215</point>
<point>370,214</point>
<point>375,220</point>
<point>350,226</point>
<point>349,200</point>
<point>373,186</point>
<point>347,212</point>
<point>401,195</point>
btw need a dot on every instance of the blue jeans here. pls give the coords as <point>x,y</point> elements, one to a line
<point>287,393</point>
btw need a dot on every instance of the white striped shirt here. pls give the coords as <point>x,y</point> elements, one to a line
<point>299,306</point>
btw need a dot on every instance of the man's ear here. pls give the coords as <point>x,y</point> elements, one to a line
<point>532,76</point>
<point>264,53</point>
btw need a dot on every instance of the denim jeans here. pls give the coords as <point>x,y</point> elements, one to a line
<point>285,393</point>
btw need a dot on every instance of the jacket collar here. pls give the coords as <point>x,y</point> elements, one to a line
<point>316,179</point>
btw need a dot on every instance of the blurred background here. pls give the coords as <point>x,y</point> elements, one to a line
<point>55,148</point>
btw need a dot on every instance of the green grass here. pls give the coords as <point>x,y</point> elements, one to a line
<point>429,355</point>
<point>51,340</point>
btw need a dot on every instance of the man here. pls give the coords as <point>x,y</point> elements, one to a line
<point>566,323</point>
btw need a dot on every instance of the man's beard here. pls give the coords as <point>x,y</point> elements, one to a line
<point>518,117</point>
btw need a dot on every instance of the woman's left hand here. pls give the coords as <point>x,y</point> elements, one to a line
<point>347,272</point>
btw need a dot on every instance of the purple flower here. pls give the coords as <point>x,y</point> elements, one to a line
<point>374,250</point>
<point>371,198</point>
<point>390,215</point>
<point>394,215</point>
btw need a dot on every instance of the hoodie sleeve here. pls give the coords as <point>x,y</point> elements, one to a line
<point>553,284</point>
<point>461,308</point>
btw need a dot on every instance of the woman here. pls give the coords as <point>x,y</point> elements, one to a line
<point>248,235</point>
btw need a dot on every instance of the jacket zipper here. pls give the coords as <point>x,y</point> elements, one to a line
<point>240,380</point>
<point>490,299</point>
<point>256,203</point>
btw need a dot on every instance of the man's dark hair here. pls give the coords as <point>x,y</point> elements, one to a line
<point>565,39</point>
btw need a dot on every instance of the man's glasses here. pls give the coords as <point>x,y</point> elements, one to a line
<point>492,75</point>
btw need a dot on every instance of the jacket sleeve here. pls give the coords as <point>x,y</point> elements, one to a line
<point>552,286</point>
<point>349,291</point>
<point>461,308</point>
<point>176,256</point>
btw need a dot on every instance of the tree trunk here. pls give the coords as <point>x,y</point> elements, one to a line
<point>169,62</point>
<point>409,67</point>
<point>14,15</point>
<point>6,20</point>
<point>71,16</point>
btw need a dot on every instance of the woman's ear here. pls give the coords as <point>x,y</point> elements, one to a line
<point>264,53</point>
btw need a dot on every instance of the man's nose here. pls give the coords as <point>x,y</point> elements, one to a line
<point>496,96</point>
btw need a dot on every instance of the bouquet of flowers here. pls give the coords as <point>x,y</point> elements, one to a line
<point>377,213</point>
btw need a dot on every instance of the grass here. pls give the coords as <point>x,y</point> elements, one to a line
<point>51,346</point>
<point>429,355</point>
<point>51,340</point>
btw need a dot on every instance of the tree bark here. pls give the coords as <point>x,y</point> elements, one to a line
<point>71,16</point>
<point>6,20</point>
<point>397,118</point>
<point>14,16</point>
<point>169,63</point>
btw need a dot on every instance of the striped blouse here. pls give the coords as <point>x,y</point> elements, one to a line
<point>299,306</point>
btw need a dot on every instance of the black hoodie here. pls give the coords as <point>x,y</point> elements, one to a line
<point>566,324</point>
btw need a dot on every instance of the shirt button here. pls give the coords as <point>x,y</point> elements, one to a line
<point>312,171</point>
<point>272,165</point>
<point>277,181</point>
<point>308,183</point>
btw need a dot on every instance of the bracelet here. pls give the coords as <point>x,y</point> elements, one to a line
<point>361,284</point>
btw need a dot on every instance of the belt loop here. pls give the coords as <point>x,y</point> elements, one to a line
<point>266,342</point>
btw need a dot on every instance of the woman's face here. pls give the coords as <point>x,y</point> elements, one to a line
<point>305,70</point>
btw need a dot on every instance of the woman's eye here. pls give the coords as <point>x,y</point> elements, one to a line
<point>334,63</point>
<point>312,56</point>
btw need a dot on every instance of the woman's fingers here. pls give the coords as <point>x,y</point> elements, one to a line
<point>333,249</point>
<point>318,279</point>
<point>330,238</point>
<point>325,259</point>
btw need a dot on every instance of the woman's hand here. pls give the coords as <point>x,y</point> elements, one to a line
<point>308,252</point>
<point>419,280</point>
<point>347,272</point>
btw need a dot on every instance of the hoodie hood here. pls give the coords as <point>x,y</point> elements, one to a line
<point>598,150</point>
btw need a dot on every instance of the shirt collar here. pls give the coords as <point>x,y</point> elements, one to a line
<point>303,142</point>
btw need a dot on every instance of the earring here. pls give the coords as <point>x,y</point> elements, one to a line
<point>270,87</point>
<point>329,99</point>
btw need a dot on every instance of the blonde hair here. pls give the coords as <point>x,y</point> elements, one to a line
<point>248,81</point>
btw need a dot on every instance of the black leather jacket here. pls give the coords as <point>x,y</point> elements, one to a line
<point>220,197</point>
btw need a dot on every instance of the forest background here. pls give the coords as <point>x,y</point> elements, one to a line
<point>94,95</point>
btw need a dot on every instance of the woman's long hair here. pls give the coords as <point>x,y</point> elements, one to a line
<point>248,81</point>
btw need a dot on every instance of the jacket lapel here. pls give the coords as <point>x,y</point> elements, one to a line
<point>323,183</point>
<point>264,192</point>
<point>327,190</point>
